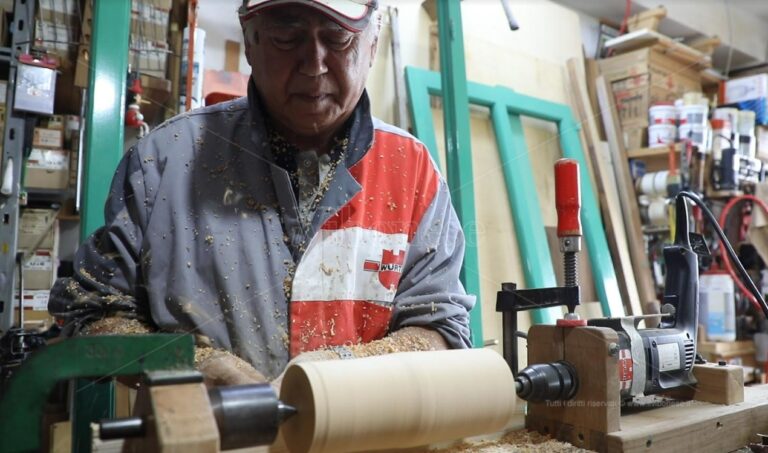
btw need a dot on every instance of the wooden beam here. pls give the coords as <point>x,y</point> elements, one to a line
<point>231,56</point>
<point>603,173</point>
<point>627,197</point>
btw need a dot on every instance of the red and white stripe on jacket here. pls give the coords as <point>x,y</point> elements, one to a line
<point>345,284</point>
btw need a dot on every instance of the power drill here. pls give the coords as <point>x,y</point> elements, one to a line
<point>651,360</point>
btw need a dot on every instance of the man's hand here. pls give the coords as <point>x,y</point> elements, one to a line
<point>222,368</point>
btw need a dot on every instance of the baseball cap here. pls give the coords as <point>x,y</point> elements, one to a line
<point>350,14</point>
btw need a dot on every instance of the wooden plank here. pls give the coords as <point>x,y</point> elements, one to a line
<point>694,426</point>
<point>231,56</point>
<point>627,196</point>
<point>726,348</point>
<point>649,38</point>
<point>649,19</point>
<point>716,384</point>
<point>595,409</point>
<point>658,151</point>
<point>606,186</point>
<point>61,437</point>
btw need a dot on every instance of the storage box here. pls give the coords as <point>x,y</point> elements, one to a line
<point>761,132</point>
<point>3,87</point>
<point>39,269</point>
<point>745,89</point>
<point>47,169</point>
<point>644,77</point>
<point>35,309</point>
<point>38,229</point>
<point>47,138</point>
<point>35,89</point>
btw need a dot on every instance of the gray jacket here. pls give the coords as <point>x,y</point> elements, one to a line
<point>202,235</point>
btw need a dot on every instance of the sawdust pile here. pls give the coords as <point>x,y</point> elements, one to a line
<point>116,325</point>
<point>522,441</point>
<point>402,341</point>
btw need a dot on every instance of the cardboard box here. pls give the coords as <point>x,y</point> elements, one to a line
<point>38,229</point>
<point>39,269</point>
<point>47,169</point>
<point>745,89</point>
<point>48,138</point>
<point>645,61</point>
<point>644,77</point>
<point>635,138</point>
<point>148,57</point>
<point>3,87</point>
<point>35,89</point>
<point>761,132</point>
<point>36,314</point>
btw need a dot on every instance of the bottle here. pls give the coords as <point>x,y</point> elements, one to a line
<point>717,306</point>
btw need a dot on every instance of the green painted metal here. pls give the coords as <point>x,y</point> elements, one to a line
<point>529,230</point>
<point>93,401</point>
<point>506,108</point>
<point>106,107</point>
<point>88,356</point>
<point>458,146</point>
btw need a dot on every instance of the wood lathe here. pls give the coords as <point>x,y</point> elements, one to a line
<point>395,401</point>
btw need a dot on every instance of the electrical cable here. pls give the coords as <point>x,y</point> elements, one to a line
<point>759,302</point>
<point>726,262</point>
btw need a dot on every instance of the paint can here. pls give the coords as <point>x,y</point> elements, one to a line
<point>698,134</point>
<point>660,135</point>
<point>694,115</point>
<point>662,114</point>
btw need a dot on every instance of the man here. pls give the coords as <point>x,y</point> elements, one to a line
<point>288,225</point>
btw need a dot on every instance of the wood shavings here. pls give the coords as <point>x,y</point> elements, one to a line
<point>117,326</point>
<point>522,441</point>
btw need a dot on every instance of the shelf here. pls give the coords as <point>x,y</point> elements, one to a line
<point>644,153</point>
<point>6,54</point>
<point>726,348</point>
<point>49,194</point>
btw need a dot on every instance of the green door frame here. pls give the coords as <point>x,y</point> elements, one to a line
<point>105,116</point>
<point>458,146</point>
<point>104,122</point>
<point>506,108</point>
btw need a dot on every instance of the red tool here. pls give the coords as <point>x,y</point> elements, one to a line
<point>568,204</point>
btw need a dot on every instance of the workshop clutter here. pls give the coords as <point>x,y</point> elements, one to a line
<point>49,165</point>
<point>38,244</point>
<point>58,26</point>
<point>148,40</point>
<point>647,78</point>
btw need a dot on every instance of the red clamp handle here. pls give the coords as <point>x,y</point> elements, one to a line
<point>567,197</point>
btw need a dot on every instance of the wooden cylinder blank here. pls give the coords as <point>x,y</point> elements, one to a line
<point>396,401</point>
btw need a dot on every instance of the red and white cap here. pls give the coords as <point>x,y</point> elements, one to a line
<point>350,14</point>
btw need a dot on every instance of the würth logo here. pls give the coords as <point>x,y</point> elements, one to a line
<point>389,268</point>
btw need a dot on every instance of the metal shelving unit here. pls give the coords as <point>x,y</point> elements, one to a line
<point>22,29</point>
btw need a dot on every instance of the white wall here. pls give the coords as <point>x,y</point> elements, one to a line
<point>219,20</point>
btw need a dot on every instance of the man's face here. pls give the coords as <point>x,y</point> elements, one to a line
<point>309,71</point>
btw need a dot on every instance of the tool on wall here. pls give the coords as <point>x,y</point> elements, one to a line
<point>651,360</point>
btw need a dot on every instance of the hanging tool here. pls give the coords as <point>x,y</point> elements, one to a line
<point>513,25</point>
